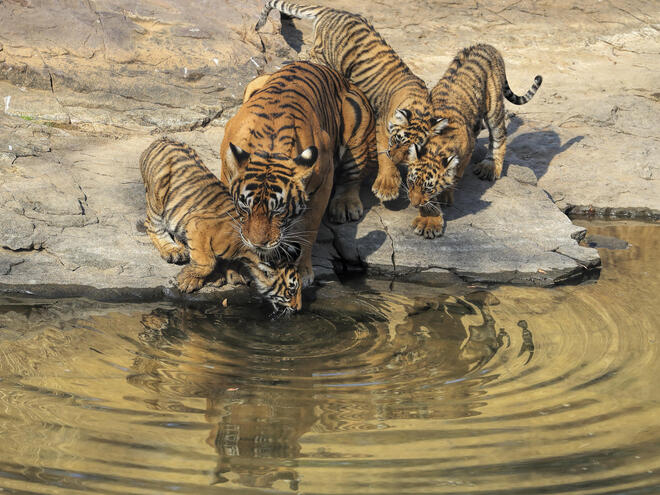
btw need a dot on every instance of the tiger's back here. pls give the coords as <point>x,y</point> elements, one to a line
<point>180,189</point>
<point>473,88</point>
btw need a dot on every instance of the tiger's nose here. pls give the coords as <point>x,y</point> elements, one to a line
<point>296,303</point>
<point>415,198</point>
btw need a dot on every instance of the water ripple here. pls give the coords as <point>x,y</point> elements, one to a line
<point>376,388</point>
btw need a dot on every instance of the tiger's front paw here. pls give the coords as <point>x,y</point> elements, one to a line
<point>386,186</point>
<point>429,227</point>
<point>189,280</point>
<point>486,170</point>
<point>306,273</point>
<point>345,208</point>
<point>176,254</point>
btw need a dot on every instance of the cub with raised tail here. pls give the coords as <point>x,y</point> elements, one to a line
<point>191,217</point>
<point>349,44</point>
<point>472,89</point>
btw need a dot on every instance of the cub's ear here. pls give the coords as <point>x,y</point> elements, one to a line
<point>234,160</point>
<point>400,118</point>
<point>308,157</point>
<point>438,124</point>
<point>452,165</point>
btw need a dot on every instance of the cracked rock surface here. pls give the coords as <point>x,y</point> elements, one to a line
<point>86,86</point>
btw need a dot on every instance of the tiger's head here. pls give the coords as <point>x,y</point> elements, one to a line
<point>410,128</point>
<point>269,194</point>
<point>431,169</point>
<point>278,281</point>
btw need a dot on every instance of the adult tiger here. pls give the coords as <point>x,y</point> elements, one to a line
<point>349,44</point>
<point>279,154</point>
<point>191,217</point>
<point>471,90</point>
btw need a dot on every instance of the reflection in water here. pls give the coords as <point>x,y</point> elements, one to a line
<point>265,389</point>
<point>371,390</point>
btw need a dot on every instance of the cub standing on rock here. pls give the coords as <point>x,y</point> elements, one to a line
<point>470,90</point>
<point>349,44</point>
<point>190,217</point>
<point>279,154</point>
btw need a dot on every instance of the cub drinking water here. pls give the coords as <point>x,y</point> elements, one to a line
<point>191,217</point>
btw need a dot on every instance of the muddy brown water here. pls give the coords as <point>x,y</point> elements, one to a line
<point>372,390</point>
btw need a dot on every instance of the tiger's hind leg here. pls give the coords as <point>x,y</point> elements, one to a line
<point>202,258</point>
<point>358,152</point>
<point>170,250</point>
<point>490,168</point>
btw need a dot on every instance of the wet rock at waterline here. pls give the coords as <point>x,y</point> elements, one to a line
<point>69,218</point>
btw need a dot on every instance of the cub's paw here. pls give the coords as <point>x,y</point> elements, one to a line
<point>386,187</point>
<point>345,208</point>
<point>429,227</point>
<point>188,280</point>
<point>485,170</point>
<point>176,254</point>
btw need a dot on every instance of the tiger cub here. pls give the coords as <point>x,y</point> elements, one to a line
<point>190,217</point>
<point>280,151</point>
<point>470,91</point>
<point>349,44</point>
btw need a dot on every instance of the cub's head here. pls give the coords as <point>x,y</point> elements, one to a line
<point>431,170</point>
<point>410,127</point>
<point>269,193</point>
<point>279,282</point>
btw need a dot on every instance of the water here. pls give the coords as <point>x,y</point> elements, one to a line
<point>373,391</point>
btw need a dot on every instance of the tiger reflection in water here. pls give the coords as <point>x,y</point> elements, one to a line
<point>259,408</point>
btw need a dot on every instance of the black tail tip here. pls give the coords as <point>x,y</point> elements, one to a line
<point>538,80</point>
<point>140,225</point>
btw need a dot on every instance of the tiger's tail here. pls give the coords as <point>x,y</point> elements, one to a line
<point>521,100</point>
<point>291,9</point>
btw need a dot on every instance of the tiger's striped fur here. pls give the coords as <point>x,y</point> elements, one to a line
<point>470,91</point>
<point>279,154</point>
<point>191,217</point>
<point>349,44</point>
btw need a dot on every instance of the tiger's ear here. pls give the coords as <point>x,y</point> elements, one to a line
<point>255,85</point>
<point>438,124</point>
<point>452,165</point>
<point>308,157</point>
<point>305,162</point>
<point>266,268</point>
<point>400,118</point>
<point>234,160</point>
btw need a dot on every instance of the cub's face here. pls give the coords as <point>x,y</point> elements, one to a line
<point>429,175</point>
<point>407,128</point>
<point>280,284</point>
<point>269,195</point>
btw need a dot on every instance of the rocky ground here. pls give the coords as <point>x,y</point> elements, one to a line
<point>85,86</point>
